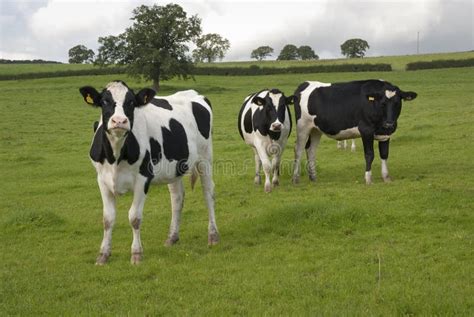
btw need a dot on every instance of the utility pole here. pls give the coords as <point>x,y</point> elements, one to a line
<point>418,42</point>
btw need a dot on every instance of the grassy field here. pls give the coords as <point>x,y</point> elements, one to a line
<point>335,247</point>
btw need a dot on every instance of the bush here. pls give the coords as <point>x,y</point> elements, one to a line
<point>255,70</point>
<point>446,63</point>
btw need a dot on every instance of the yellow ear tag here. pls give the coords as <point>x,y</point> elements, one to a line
<point>371,98</point>
<point>89,99</point>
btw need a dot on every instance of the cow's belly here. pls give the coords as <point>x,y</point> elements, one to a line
<point>165,172</point>
<point>117,180</point>
<point>350,133</point>
<point>382,138</point>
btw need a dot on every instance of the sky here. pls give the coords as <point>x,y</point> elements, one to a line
<point>47,29</point>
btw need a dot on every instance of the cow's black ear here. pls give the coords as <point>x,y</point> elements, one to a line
<point>258,101</point>
<point>291,100</point>
<point>91,96</point>
<point>408,95</point>
<point>144,96</point>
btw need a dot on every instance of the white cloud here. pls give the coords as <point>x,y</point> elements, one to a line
<point>48,28</point>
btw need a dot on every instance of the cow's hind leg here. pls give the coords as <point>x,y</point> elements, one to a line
<point>258,167</point>
<point>205,170</point>
<point>315,137</point>
<point>135,215</point>
<point>108,200</point>
<point>176,190</point>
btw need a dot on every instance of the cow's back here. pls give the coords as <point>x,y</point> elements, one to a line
<point>333,107</point>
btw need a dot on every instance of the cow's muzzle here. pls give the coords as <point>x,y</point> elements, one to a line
<point>388,125</point>
<point>276,127</point>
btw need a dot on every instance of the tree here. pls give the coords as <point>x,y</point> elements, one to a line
<point>113,50</point>
<point>354,48</point>
<point>80,54</point>
<point>210,47</point>
<point>288,53</point>
<point>155,46</point>
<point>261,52</point>
<point>305,52</point>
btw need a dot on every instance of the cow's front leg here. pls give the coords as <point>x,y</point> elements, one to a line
<point>315,137</point>
<point>267,165</point>
<point>176,190</point>
<point>276,161</point>
<point>383,150</point>
<point>108,201</point>
<point>258,167</point>
<point>135,215</point>
<point>368,141</point>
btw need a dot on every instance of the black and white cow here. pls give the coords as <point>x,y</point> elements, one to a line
<point>265,123</point>
<point>141,139</point>
<point>367,109</point>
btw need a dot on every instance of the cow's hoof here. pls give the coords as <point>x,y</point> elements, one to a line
<point>268,188</point>
<point>102,259</point>
<point>257,180</point>
<point>171,240</point>
<point>312,178</point>
<point>213,238</point>
<point>368,181</point>
<point>276,182</point>
<point>136,258</point>
<point>387,179</point>
<point>296,180</point>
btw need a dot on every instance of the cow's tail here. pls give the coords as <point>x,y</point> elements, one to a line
<point>194,177</point>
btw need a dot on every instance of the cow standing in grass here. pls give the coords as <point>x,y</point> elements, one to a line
<point>265,123</point>
<point>367,109</point>
<point>141,140</point>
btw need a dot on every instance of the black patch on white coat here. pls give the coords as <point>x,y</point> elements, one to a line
<point>203,119</point>
<point>248,121</point>
<point>175,145</point>
<point>155,149</point>
<point>146,169</point>
<point>130,149</point>
<point>297,106</point>
<point>162,103</point>
<point>101,148</point>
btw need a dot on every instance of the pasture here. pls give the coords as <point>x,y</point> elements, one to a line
<point>334,247</point>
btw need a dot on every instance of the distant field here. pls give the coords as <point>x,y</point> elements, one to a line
<point>39,68</point>
<point>397,62</point>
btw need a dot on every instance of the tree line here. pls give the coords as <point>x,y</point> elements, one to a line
<point>155,46</point>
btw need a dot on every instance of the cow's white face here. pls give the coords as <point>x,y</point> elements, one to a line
<point>277,124</point>
<point>118,104</point>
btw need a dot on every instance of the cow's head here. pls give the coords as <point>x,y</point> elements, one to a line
<point>387,103</point>
<point>118,103</point>
<point>273,107</point>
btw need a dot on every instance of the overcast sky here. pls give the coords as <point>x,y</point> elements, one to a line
<point>47,29</point>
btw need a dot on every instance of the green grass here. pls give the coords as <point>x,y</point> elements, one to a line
<point>335,247</point>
